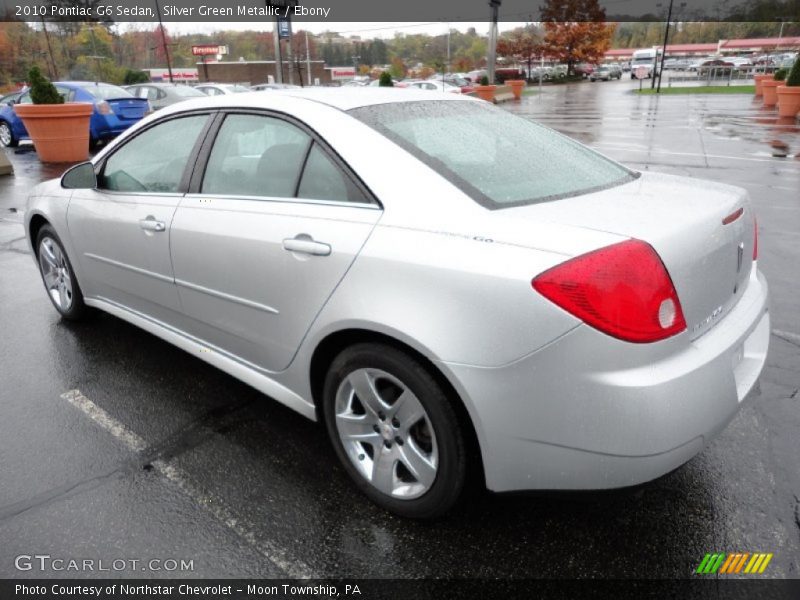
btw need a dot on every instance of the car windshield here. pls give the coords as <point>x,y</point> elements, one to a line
<point>498,159</point>
<point>185,90</point>
<point>104,91</point>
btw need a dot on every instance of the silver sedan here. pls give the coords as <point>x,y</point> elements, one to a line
<point>455,291</point>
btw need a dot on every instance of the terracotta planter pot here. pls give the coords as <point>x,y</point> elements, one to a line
<point>516,86</point>
<point>759,79</point>
<point>486,92</point>
<point>60,132</point>
<point>769,89</point>
<point>788,100</point>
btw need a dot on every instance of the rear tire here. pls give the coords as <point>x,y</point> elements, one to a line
<point>394,430</point>
<point>58,277</point>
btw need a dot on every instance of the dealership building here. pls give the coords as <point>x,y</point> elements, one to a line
<point>722,47</point>
<point>252,72</point>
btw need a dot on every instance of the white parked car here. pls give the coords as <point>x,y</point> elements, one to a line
<point>221,89</point>
<point>435,86</point>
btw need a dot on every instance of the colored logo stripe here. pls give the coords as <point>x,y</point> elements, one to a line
<point>723,563</point>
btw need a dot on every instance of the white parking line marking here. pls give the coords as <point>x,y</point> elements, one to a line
<point>787,335</point>
<point>214,505</point>
<point>106,421</point>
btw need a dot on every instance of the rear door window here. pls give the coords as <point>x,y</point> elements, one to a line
<point>256,155</point>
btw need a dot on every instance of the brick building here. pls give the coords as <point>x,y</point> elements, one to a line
<point>258,71</point>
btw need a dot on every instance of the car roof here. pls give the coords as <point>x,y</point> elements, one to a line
<point>82,84</point>
<point>155,84</point>
<point>342,98</point>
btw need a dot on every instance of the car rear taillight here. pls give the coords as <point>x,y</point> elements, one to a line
<point>104,108</point>
<point>623,290</point>
<point>755,238</point>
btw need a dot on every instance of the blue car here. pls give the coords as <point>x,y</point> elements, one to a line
<point>10,126</point>
<point>115,109</point>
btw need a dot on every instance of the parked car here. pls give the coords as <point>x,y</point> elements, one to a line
<point>541,316</point>
<point>461,82</point>
<point>265,87</point>
<point>605,73</point>
<point>615,69</point>
<point>676,64</point>
<point>741,61</point>
<point>698,62</point>
<point>396,82</point>
<point>115,109</point>
<point>11,127</point>
<point>435,85</point>
<point>163,94</point>
<point>583,69</point>
<point>475,76</point>
<point>716,66</point>
<point>221,89</point>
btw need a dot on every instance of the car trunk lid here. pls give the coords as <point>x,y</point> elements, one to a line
<point>128,108</point>
<point>703,232</point>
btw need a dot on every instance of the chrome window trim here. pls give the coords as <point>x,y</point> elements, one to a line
<point>363,205</point>
<point>146,194</point>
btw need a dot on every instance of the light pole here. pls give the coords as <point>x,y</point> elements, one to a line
<point>495,5</point>
<point>54,70</point>
<point>783,21</point>
<point>308,60</point>
<point>164,41</point>
<point>664,47</point>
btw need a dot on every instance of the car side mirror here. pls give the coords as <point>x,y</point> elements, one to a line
<point>79,177</point>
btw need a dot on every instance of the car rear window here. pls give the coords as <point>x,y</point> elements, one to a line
<point>497,158</point>
<point>103,91</point>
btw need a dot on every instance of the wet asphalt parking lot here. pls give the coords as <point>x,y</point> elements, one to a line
<point>116,445</point>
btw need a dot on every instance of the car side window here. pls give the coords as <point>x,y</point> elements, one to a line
<point>154,160</point>
<point>256,155</point>
<point>324,180</point>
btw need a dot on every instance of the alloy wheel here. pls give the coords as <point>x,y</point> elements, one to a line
<point>5,135</point>
<point>56,274</point>
<point>386,433</point>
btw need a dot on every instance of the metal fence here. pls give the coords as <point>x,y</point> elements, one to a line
<point>714,76</point>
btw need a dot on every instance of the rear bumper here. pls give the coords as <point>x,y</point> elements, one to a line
<point>590,412</point>
<point>110,126</point>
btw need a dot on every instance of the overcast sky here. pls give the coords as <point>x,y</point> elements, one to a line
<point>365,30</point>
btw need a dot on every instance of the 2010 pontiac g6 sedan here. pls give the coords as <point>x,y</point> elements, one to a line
<point>453,289</point>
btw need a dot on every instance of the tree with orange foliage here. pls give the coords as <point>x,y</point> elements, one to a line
<point>575,31</point>
<point>523,44</point>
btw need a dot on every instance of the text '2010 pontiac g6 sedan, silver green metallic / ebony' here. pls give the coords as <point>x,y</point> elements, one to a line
<point>455,291</point>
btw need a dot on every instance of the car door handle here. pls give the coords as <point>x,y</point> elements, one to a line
<point>306,245</point>
<point>150,224</point>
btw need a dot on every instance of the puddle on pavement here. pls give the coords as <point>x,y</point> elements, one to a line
<point>758,124</point>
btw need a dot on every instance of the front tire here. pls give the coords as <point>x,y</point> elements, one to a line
<point>58,277</point>
<point>7,139</point>
<point>394,430</point>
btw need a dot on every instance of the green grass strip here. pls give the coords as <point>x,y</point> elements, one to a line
<point>703,89</point>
